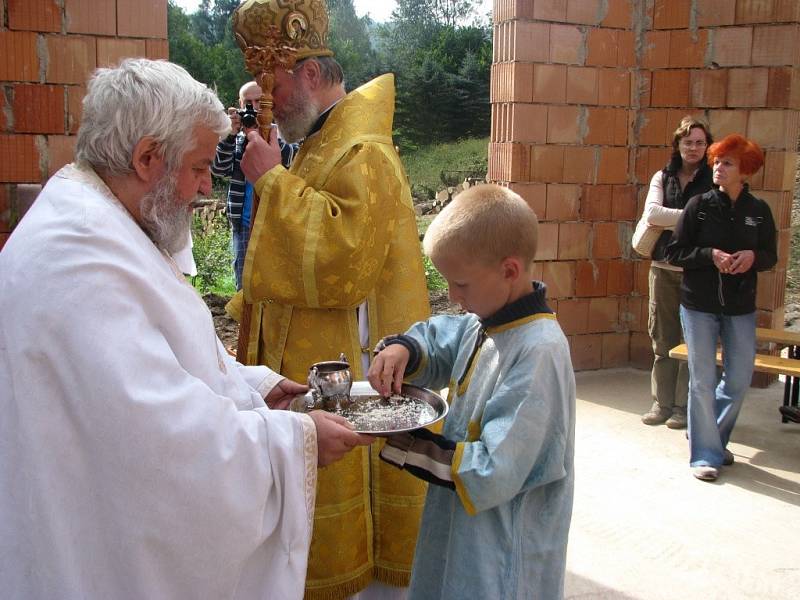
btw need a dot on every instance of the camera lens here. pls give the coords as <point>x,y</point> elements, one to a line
<point>249,120</point>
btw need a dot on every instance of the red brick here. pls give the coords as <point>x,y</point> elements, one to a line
<point>521,82</point>
<point>3,239</point>
<point>71,58</point>
<point>582,162</point>
<point>547,164</point>
<point>562,124</point>
<point>573,315</point>
<point>38,108</point>
<point>656,50</point>
<point>619,14</point>
<point>786,10</point>
<point>754,11</point>
<point>653,127</point>
<point>573,240</point>
<point>60,151</point>
<point>783,88</point>
<point>549,83</point>
<point>547,246</point>
<point>596,203</point>
<point>566,44</point>
<point>623,207</point>
<point>552,10</point>
<point>641,83</point>
<point>563,201</point>
<point>585,12</point>
<point>535,194</point>
<point>725,122</point>
<point>687,48</point>
<point>75,94</point>
<point>591,278</point>
<point>773,129</point>
<point>607,126</point>
<point>670,88</point>
<point>4,109</point>
<point>98,17</point>
<point>157,49</point>
<point>601,46</point>
<point>19,159</point>
<point>630,311</point>
<point>708,87</point>
<point>613,165</point>
<point>528,123</point>
<point>620,278</point>
<point>19,60</point>
<point>586,352</point>
<point>606,241</point>
<point>581,85</point>
<point>747,87</point>
<point>779,170</point>
<point>603,315</point>
<point>711,13</point>
<point>613,87</point>
<point>559,278</point>
<point>530,41</point>
<point>34,15</point>
<point>776,45</point>
<point>110,51</point>
<point>615,350</point>
<point>641,270</point>
<point>641,351</point>
<point>671,14</point>
<point>732,46</point>
<point>142,18</point>
<point>626,49</point>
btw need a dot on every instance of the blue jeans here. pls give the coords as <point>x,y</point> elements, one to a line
<point>714,403</point>
<point>239,242</point>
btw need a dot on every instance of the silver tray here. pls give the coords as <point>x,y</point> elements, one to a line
<point>362,391</point>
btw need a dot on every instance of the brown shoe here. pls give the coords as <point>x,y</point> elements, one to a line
<point>656,415</point>
<point>678,418</point>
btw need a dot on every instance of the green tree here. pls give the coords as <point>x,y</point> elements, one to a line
<point>349,38</point>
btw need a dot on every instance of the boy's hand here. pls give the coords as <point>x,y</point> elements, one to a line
<point>387,369</point>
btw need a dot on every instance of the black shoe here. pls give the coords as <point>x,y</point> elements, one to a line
<point>791,412</point>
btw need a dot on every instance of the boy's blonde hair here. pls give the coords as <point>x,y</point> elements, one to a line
<point>486,223</point>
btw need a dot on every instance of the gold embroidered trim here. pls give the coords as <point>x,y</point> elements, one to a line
<point>461,490</point>
<point>310,460</point>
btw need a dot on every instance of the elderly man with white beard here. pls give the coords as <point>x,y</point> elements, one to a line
<point>138,459</point>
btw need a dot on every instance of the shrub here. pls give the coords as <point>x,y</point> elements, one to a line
<point>212,253</point>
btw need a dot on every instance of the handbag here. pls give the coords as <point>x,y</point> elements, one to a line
<point>645,237</point>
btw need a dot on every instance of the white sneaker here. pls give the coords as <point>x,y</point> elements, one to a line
<point>705,473</point>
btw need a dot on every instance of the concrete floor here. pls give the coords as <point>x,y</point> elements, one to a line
<point>643,528</point>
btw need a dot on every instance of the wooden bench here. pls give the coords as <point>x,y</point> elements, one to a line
<point>766,363</point>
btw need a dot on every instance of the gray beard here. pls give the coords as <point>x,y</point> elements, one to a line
<point>164,219</point>
<point>301,114</point>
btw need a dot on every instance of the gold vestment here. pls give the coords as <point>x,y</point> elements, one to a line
<point>334,230</point>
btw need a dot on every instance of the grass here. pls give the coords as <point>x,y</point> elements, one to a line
<point>430,168</point>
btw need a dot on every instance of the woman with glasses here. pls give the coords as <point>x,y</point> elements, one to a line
<point>721,240</point>
<point>687,174</point>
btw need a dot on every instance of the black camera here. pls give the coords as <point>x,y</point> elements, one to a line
<point>248,115</point>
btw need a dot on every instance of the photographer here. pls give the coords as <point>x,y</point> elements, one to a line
<point>226,164</point>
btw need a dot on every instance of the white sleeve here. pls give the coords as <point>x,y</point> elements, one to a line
<point>654,210</point>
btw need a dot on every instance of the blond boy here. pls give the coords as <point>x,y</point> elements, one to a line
<point>497,516</point>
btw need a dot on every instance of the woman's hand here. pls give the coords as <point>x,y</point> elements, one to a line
<point>722,260</point>
<point>741,261</point>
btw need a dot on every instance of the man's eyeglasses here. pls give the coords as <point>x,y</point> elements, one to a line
<point>691,144</point>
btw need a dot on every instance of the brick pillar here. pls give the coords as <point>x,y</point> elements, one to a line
<point>585,95</point>
<point>48,49</point>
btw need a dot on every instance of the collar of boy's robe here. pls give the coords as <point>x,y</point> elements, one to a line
<point>529,304</point>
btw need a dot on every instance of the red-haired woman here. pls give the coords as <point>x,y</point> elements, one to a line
<point>722,239</point>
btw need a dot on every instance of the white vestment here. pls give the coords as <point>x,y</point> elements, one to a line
<point>137,458</point>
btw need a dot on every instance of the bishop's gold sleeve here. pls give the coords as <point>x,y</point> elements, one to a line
<point>325,248</point>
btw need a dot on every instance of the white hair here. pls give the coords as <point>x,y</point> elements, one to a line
<point>144,98</point>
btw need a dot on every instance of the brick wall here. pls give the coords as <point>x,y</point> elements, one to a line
<point>585,96</point>
<point>48,49</point>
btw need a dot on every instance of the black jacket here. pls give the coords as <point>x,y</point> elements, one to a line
<point>711,221</point>
<point>674,197</point>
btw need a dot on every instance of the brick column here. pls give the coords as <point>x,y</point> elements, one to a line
<point>585,96</point>
<point>48,49</point>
